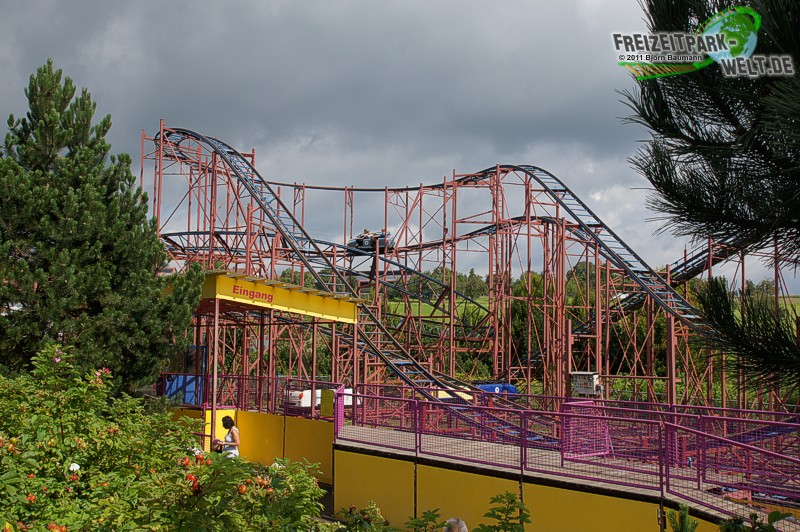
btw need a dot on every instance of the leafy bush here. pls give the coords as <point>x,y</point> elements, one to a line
<point>369,518</point>
<point>510,513</point>
<point>429,521</point>
<point>737,524</point>
<point>72,457</point>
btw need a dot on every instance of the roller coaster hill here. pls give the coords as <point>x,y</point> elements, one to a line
<point>623,320</point>
<point>287,310</point>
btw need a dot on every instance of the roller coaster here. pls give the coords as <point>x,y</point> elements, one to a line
<point>566,296</point>
<point>531,235</point>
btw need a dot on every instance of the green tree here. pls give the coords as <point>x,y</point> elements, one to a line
<point>78,254</point>
<point>680,521</point>
<point>472,285</point>
<point>724,163</point>
<point>527,319</point>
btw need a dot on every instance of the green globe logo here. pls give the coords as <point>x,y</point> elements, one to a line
<point>739,28</point>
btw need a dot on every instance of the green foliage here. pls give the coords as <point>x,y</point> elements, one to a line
<point>429,521</point>
<point>527,319</point>
<point>680,521</point>
<point>748,324</point>
<point>73,455</point>
<point>472,285</point>
<point>510,513</point>
<point>724,158</point>
<point>724,155</point>
<point>369,518</point>
<point>737,524</point>
<point>297,278</point>
<point>78,254</point>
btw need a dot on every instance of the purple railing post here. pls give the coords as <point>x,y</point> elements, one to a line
<point>361,413</point>
<point>663,475</point>
<point>265,386</point>
<point>259,394</point>
<point>240,394</point>
<point>339,405</point>
<point>523,441</point>
<point>273,391</point>
<point>418,414</point>
<point>701,466</point>
<point>355,410</point>
<point>338,411</point>
<point>286,385</point>
<point>564,433</point>
<point>314,410</point>
<point>666,439</point>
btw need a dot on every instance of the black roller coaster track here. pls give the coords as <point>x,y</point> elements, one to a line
<point>373,335</point>
<point>371,332</point>
<point>393,273</point>
<point>611,247</point>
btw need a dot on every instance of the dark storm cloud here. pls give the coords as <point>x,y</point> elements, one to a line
<point>424,78</point>
<point>359,92</point>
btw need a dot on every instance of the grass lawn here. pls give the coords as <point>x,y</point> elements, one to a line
<point>417,308</point>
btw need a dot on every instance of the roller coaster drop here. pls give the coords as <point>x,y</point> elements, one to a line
<point>212,207</point>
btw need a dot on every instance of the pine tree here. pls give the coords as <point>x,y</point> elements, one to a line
<point>724,162</point>
<point>78,252</point>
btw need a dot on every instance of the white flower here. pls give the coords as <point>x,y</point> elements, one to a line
<point>74,467</point>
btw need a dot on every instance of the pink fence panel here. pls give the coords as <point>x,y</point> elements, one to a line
<point>388,422</point>
<point>478,434</point>
<point>735,477</point>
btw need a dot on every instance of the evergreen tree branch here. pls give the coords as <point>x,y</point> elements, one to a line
<point>748,325</point>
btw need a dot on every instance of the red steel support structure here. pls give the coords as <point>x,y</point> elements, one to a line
<point>564,293</point>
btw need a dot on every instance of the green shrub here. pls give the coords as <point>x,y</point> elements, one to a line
<point>680,521</point>
<point>737,524</point>
<point>74,456</point>
<point>369,518</point>
<point>429,521</point>
<point>510,513</point>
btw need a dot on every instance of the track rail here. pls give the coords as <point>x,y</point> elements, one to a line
<point>372,333</point>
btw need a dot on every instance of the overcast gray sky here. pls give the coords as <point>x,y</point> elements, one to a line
<point>360,92</point>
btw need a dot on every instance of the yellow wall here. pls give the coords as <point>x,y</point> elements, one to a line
<point>261,436</point>
<point>193,413</point>
<point>360,478</point>
<point>459,494</point>
<point>312,440</point>
<point>265,293</point>
<point>220,431</point>
<point>562,509</point>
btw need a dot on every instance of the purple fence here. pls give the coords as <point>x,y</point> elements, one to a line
<point>731,476</point>
<point>303,397</point>
<point>725,460</point>
<point>387,422</point>
<point>720,462</point>
<point>294,397</point>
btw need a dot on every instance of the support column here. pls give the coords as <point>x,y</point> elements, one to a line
<point>216,371</point>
